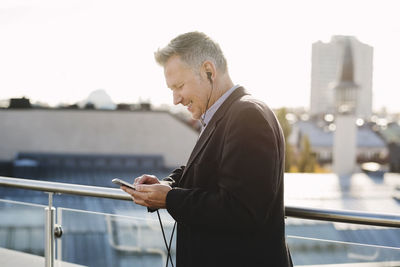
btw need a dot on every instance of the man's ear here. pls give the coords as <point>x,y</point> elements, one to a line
<point>208,70</point>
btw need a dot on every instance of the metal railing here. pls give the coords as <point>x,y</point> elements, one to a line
<point>346,216</point>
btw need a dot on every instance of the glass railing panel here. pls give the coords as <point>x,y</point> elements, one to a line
<point>344,232</point>
<point>312,251</point>
<point>22,226</point>
<point>100,239</point>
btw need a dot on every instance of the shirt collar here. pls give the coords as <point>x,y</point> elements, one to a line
<point>207,116</point>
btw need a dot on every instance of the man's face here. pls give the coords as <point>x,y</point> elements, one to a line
<point>188,88</point>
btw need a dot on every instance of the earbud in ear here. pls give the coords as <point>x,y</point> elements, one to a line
<point>209,74</point>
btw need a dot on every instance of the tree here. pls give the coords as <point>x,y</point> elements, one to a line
<point>307,160</point>
<point>287,130</point>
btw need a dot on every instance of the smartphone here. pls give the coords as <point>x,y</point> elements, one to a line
<point>122,182</point>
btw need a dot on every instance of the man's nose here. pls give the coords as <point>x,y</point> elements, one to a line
<point>177,98</point>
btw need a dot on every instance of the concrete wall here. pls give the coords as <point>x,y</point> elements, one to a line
<point>97,132</point>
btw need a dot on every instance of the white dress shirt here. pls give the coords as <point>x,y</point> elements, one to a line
<point>207,116</point>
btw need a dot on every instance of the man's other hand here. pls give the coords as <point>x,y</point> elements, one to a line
<point>149,195</point>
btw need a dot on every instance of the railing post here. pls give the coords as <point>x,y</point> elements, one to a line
<point>49,242</point>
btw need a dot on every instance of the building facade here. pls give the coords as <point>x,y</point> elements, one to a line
<point>94,132</point>
<point>370,147</point>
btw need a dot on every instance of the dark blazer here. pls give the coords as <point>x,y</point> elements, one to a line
<point>228,200</point>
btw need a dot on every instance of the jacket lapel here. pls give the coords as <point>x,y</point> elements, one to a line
<point>208,131</point>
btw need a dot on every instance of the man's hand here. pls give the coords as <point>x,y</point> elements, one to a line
<point>149,195</point>
<point>146,179</point>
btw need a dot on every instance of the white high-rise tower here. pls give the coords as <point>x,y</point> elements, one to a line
<point>326,60</point>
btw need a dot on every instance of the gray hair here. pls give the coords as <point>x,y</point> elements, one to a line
<point>193,48</point>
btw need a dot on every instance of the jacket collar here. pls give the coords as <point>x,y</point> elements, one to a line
<point>207,133</point>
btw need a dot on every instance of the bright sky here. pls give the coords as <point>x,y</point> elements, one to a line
<point>60,51</point>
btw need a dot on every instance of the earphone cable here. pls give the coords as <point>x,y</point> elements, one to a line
<point>165,241</point>
<point>170,241</point>
<point>208,102</point>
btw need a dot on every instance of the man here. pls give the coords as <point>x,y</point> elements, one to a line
<point>228,199</point>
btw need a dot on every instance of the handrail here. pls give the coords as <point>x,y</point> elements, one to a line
<point>65,188</point>
<point>346,216</point>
